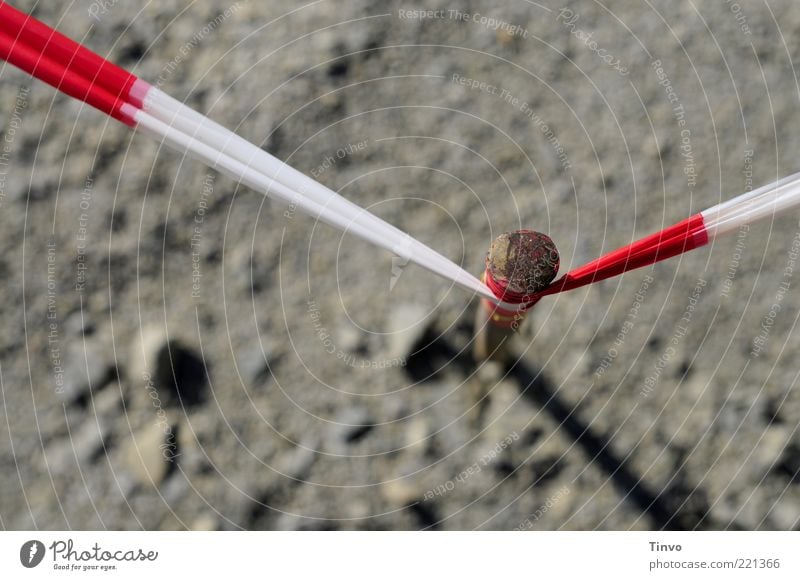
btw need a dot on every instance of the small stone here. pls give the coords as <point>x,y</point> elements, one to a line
<point>145,351</point>
<point>770,449</point>
<point>108,402</point>
<point>287,522</point>
<point>417,435</point>
<point>400,492</point>
<point>296,464</point>
<point>324,43</point>
<point>788,465</point>
<point>151,453</point>
<point>557,505</point>
<point>408,325</point>
<point>785,515</point>
<point>749,512</point>
<point>78,324</point>
<point>174,488</point>
<point>192,457</point>
<point>504,38</point>
<point>86,370</point>
<point>205,523</point>
<point>126,482</point>
<point>697,385</point>
<point>84,444</point>
<point>350,339</point>
<point>358,509</point>
<point>253,363</point>
<point>332,102</point>
<point>350,426</point>
<point>251,268</point>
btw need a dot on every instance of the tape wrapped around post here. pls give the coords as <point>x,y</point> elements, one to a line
<point>518,266</point>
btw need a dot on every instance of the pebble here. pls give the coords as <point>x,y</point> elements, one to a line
<point>251,270</point>
<point>86,443</point>
<point>748,511</point>
<point>358,509</point>
<point>193,459</point>
<point>205,523</point>
<point>401,492</point>
<point>785,516</point>
<point>789,464</point>
<point>145,351</point>
<point>151,453</point>
<point>417,435</point>
<point>770,449</point>
<point>253,363</point>
<point>350,339</point>
<point>407,326</point>
<point>78,324</point>
<point>296,464</point>
<point>289,523</point>
<point>85,370</point>
<point>174,488</point>
<point>108,402</point>
<point>350,425</point>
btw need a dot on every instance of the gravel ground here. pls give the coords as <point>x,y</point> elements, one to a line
<point>182,353</point>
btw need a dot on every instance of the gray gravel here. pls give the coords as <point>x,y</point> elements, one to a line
<point>303,380</point>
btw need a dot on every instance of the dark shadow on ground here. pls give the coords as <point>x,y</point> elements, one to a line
<point>668,510</point>
<point>679,506</point>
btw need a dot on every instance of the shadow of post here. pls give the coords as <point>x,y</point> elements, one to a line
<point>678,506</point>
<point>662,508</point>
